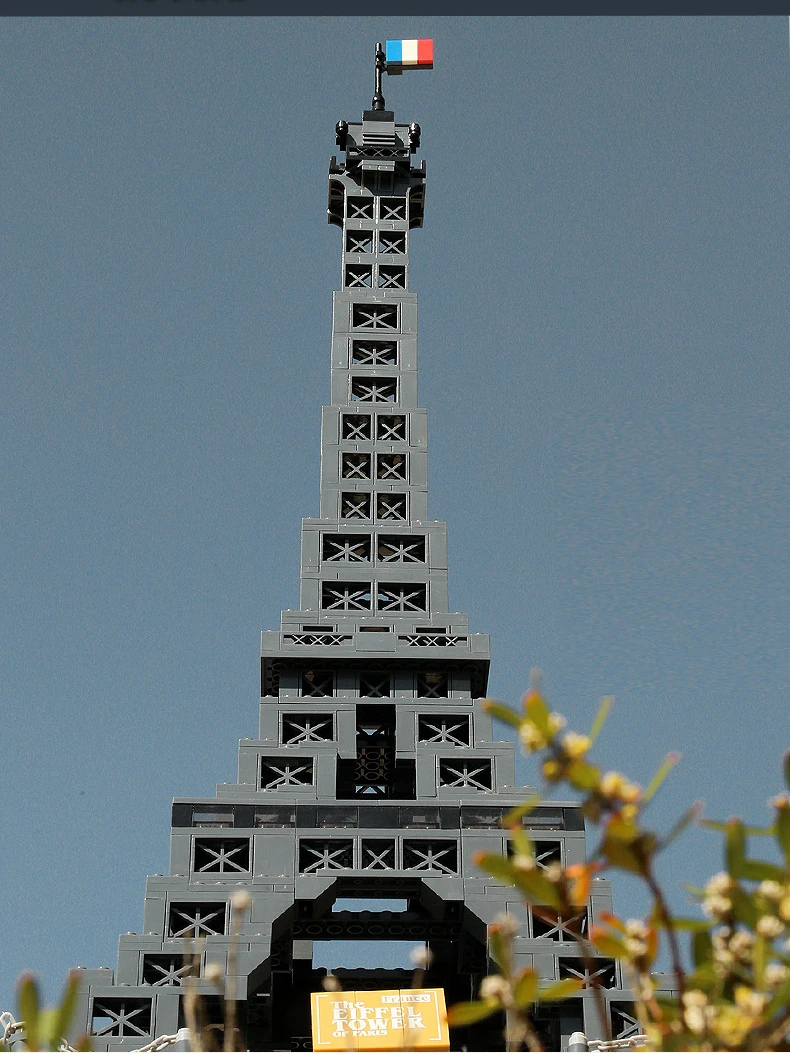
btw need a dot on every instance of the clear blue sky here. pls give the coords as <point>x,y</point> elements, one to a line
<point>603,286</point>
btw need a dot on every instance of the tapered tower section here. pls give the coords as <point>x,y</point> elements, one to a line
<point>375,776</point>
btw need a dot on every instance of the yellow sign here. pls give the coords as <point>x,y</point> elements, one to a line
<point>380,1020</point>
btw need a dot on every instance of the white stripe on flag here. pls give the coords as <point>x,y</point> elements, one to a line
<point>409,57</point>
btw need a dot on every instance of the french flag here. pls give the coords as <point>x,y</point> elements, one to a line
<point>408,54</point>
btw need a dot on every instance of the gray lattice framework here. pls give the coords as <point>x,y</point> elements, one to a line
<point>375,771</point>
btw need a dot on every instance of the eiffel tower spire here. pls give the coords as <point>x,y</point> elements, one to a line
<point>375,775</point>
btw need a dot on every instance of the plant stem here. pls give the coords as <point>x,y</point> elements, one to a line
<point>672,936</point>
<point>600,1001</point>
<point>778,1031</point>
<point>521,1031</point>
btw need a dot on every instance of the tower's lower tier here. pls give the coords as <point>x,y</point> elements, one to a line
<point>259,894</point>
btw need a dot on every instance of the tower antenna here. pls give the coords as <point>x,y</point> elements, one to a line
<point>378,97</point>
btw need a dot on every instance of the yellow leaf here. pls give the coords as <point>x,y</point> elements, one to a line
<point>465,1013</point>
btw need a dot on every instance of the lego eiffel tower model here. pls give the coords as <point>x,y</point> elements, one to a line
<point>376,775</point>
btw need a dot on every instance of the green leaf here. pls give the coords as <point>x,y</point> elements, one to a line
<point>523,843</point>
<point>756,831</point>
<point>779,1001</point>
<point>684,924</point>
<point>497,866</point>
<point>27,998</point>
<point>757,870</point>
<point>735,848</point>
<point>503,712</point>
<point>515,815</point>
<point>500,948</point>
<point>559,990</point>
<point>465,1013</point>
<point>537,888</point>
<point>538,712</point>
<point>584,776</point>
<point>744,908</point>
<point>703,978</point>
<point>759,960</point>
<point>701,947</point>
<point>688,817</point>
<point>666,767</point>
<point>625,847</point>
<point>610,945</point>
<point>47,1021</point>
<point>783,831</point>
<point>600,719</point>
<point>66,1009</point>
<point>531,883</point>
<point>525,990</point>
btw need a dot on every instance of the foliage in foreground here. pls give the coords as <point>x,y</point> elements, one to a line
<point>43,1028</point>
<point>736,997</point>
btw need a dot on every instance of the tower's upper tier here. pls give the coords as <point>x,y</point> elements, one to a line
<point>378,156</point>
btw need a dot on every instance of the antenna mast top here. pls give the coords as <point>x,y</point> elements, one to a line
<point>378,97</point>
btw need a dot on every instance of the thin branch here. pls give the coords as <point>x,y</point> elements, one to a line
<point>672,936</point>
<point>600,1001</point>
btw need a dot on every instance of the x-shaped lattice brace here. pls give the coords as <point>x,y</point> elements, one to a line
<point>327,858</point>
<point>392,508</point>
<point>631,1025</point>
<point>376,354</point>
<point>391,429</point>
<point>288,775</point>
<point>401,551</point>
<point>431,858</point>
<point>565,929</point>
<point>347,599</point>
<point>317,685</point>
<point>374,686</point>
<point>600,977</point>
<point>346,551</point>
<point>391,280</point>
<point>375,859</point>
<point>197,923</point>
<point>397,211</point>
<point>548,855</point>
<point>356,506</point>
<point>358,277</point>
<point>373,390</point>
<point>357,429</point>
<point>391,466</point>
<point>435,640</point>
<point>362,211</point>
<point>219,854</point>
<point>120,1019</point>
<point>305,730</point>
<point>356,465</point>
<point>377,318</point>
<point>401,600</point>
<point>392,243</point>
<point>464,775</point>
<point>359,241</point>
<point>432,690</point>
<point>444,732</point>
<point>172,973</point>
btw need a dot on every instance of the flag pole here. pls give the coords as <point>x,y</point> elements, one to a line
<point>378,97</point>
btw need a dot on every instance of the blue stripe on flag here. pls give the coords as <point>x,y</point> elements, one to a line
<point>393,50</point>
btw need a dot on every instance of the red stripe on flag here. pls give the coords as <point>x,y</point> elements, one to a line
<point>424,52</point>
